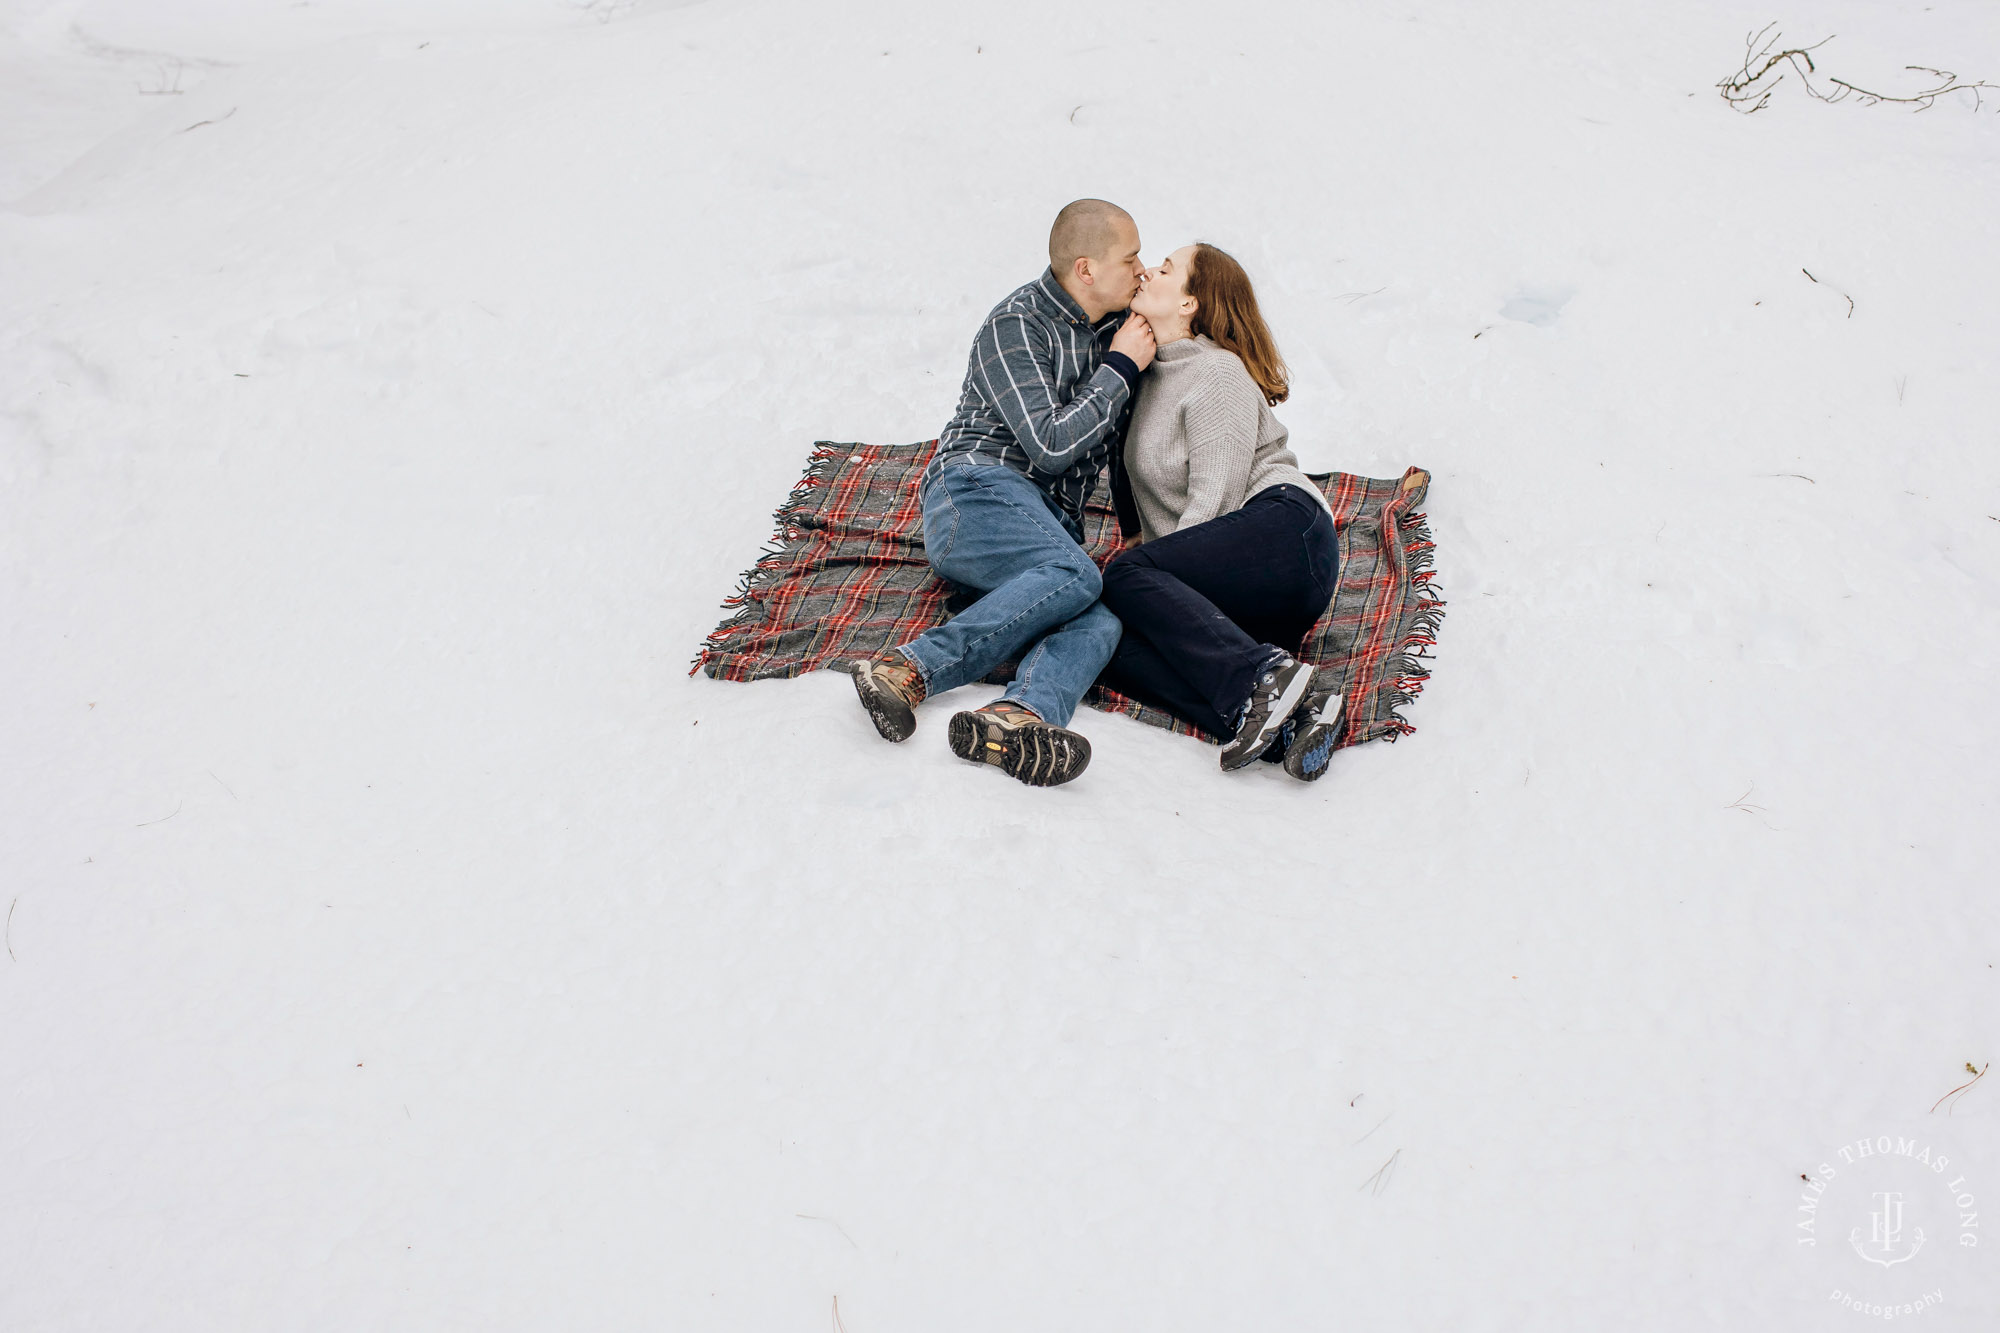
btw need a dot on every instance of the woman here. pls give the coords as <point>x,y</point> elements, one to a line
<point>1238,558</point>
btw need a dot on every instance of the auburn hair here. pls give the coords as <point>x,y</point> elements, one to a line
<point>1226,314</point>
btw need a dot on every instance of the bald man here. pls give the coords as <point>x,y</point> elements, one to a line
<point>1047,394</point>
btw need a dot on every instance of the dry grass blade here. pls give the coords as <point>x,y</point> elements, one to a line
<point>1953,1095</point>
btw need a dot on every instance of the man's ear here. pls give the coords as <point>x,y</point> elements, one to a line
<point>1080,267</point>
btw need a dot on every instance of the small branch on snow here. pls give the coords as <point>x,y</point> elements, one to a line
<point>1748,91</point>
<point>1835,290</point>
<point>169,87</point>
<point>1378,1182</point>
<point>1740,802</point>
<point>162,819</point>
<point>1756,812</point>
<point>217,121</point>
<point>1378,1124</point>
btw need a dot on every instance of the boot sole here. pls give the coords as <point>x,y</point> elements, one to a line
<point>1037,754</point>
<point>891,714</point>
<point>1311,752</point>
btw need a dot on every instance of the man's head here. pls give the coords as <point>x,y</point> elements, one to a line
<point>1094,250</point>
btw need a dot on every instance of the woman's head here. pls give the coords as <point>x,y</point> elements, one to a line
<point>1199,289</point>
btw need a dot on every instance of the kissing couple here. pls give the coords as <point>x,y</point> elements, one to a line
<point>1166,377</point>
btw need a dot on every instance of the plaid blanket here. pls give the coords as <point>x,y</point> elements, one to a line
<point>845,577</point>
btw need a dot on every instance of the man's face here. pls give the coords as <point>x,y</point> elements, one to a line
<point>1115,274</point>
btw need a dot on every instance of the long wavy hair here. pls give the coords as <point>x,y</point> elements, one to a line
<point>1226,313</point>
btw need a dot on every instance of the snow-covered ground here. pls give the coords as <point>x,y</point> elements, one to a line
<point>397,938</point>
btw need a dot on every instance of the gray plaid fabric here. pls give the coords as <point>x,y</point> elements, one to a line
<point>1038,397</point>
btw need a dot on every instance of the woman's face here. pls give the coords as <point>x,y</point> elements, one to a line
<point>1163,294</point>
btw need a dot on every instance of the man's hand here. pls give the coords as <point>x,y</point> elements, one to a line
<point>1135,339</point>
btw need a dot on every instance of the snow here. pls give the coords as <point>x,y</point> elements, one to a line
<point>398,938</point>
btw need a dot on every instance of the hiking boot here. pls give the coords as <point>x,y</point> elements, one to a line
<point>1277,692</point>
<point>1310,710</point>
<point>1019,744</point>
<point>890,687</point>
<point>1314,735</point>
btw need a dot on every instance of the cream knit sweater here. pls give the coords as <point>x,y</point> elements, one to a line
<point>1202,439</point>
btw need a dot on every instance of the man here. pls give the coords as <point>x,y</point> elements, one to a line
<point>1049,388</point>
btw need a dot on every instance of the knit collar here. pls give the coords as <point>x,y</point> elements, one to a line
<point>1180,349</point>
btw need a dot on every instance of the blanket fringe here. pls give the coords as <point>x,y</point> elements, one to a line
<point>1423,613</point>
<point>789,534</point>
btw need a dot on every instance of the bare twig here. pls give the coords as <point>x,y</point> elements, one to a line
<point>1740,803</point>
<point>1951,1096</point>
<point>838,1327</point>
<point>1378,1124</point>
<point>1756,812</point>
<point>1740,89</point>
<point>162,819</point>
<point>168,87</point>
<point>1835,290</point>
<point>1749,89</point>
<point>10,930</point>
<point>1378,1182</point>
<point>217,121</point>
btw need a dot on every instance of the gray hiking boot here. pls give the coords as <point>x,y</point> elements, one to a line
<point>890,687</point>
<point>1275,694</point>
<point>1315,729</point>
<point>1019,744</point>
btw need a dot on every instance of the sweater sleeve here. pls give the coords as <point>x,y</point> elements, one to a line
<point>1013,359</point>
<point>1220,418</point>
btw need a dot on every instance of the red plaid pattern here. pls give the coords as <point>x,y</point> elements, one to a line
<point>845,578</point>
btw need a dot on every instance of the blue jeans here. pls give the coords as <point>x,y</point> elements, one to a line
<point>992,529</point>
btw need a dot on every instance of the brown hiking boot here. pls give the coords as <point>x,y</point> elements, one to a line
<point>890,687</point>
<point>1019,744</point>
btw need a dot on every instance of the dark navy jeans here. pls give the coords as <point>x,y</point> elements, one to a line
<point>1204,607</point>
